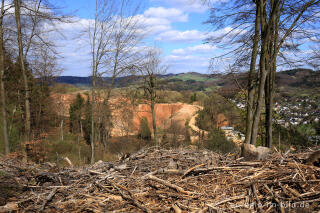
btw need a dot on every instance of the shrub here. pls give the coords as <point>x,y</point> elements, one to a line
<point>213,106</point>
<point>75,112</point>
<point>193,98</point>
<point>290,136</point>
<point>144,131</point>
<point>218,142</point>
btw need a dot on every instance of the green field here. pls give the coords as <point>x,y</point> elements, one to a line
<point>190,76</point>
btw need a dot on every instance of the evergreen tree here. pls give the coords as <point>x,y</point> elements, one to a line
<point>193,98</point>
<point>87,121</point>
<point>144,131</point>
<point>75,112</point>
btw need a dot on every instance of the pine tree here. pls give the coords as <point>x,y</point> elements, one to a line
<point>87,121</point>
<point>145,132</point>
<point>75,112</point>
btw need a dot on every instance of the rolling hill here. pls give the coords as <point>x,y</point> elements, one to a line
<point>290,81</point>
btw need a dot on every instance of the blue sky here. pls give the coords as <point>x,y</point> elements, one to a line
<point>178,30</point>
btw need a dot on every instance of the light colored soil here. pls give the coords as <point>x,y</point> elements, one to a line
<point>126,117</point>
<point>165,114</point>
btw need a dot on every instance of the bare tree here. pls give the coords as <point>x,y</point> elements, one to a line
<point>151,70</point>
<point>23,32</point>
<point>45,66</point>
<point>99,37</point>
<point>23,70</point>
<point>35,19</point>
<point>114,38</point>
<point>251,77</point>
<point>271,23</point>
<point>279,20</point>
<point>2,87</point>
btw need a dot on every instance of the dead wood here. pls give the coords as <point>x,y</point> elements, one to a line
<point>127,195</point>
<point>176,208</point>
<point>48,198</point>
<point>170,185</point>
<point>142,182</point>
<point>190,170</point>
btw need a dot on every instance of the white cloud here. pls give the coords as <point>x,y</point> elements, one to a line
<point>172,14</point>
<point>178,36</point>
<point>76,58</point>
<point>193,58</point>
<point>187,63</point>
<point>154,25</point>
<point>197,6</point>
<point>197,49</point>
<point>157,20</point>
<point>75,25</point>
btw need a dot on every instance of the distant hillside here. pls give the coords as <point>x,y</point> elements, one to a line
<point>74,80</point>
<point>191,76</point>
<point>124,81</point>
<point>86,81</point>
<point>304,78</point>
<point>287,81</point>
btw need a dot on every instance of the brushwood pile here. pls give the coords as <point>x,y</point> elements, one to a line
<point>159,180</point>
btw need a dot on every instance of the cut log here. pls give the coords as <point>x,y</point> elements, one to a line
<point>251,152</point>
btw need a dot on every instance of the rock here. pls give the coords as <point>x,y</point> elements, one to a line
<point>251,152</point>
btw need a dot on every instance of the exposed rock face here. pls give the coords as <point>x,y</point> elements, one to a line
<point>164,112</point>
<point>126,117</point>
<point>251,152</point>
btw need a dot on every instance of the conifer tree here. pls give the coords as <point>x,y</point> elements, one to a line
<point>75,113</point>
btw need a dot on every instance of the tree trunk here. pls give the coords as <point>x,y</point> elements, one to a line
<point>2,87</point>
<point>81,129</point>
<point>268,117</point>
<point>154,123</point>
<point>79,149</point>
<point>271,82</point>
<point>255,125</point>
<point>270,101</point>
<point>23,69</point>
<point>92,116</point>
<point>62,126</point>
<point>263,74</point>
<point>269,111</point>
<point>251,87</point>
<point>99,133</point>
<point>266,30</point>
<point>268,108</point>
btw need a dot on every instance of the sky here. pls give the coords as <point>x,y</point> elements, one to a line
<point>177,29</point>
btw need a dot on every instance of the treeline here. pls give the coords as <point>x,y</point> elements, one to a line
<point>42,110</point>
<point>27,65</point>
<point>80,118</point>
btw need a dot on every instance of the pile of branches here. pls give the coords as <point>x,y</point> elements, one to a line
<point>156,180</point>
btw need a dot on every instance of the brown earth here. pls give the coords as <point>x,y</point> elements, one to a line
<point>62,102</point>
<point>179,113</point>
<point>126,116</point>
<point>165,113</point>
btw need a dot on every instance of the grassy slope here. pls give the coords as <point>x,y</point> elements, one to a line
<point>190,76</point>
